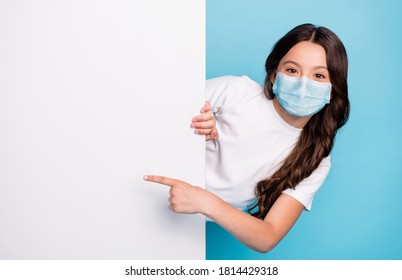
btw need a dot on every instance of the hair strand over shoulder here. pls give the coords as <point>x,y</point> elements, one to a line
<point>317,137</point>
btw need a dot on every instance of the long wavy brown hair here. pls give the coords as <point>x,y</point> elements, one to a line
<point>317,137</point>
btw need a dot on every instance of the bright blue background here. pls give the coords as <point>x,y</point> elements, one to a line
<point>357,214</point>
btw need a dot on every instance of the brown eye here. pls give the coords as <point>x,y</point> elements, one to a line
<point>320,76</point>
<point>291,70</point>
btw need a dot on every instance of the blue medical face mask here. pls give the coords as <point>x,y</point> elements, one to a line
<point>301,96</point>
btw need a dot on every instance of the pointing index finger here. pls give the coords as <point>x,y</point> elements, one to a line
<point>159,179</point>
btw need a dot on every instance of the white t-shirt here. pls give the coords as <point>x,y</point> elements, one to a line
<point>253,141</point>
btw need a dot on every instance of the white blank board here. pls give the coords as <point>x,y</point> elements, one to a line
<point>94,94</point>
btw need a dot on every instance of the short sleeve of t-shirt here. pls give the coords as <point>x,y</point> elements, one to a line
<point>226,91</point>
<point>306,189</point>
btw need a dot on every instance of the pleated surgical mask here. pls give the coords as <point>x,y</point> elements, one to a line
<point>300,96</point>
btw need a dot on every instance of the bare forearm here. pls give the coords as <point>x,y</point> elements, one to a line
<point>259,235</point>
<point>254,233</point>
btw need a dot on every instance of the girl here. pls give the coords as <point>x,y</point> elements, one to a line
<point>269,146</point>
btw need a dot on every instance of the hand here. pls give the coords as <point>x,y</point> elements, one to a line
<point>184,198</point>
<point>204,124</point>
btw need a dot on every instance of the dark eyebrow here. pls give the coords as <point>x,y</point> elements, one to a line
<point>298,65</point>
<point>292,62</point>
<point>320,67</point>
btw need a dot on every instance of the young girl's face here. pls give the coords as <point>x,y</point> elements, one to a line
<point>306,59</point>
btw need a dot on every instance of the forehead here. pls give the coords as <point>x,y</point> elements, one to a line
<point>307,54</point>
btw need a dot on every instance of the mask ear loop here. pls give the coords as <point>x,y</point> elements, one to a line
<point>272,78</point>
<point>330,94</point>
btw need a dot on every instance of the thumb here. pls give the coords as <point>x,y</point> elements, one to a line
<point>206,107</point>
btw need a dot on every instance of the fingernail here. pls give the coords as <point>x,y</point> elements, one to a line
<point>145,177</point>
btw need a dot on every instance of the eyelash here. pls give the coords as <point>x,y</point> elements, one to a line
<point>291,70</point>
<point>294,71</point>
